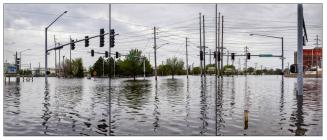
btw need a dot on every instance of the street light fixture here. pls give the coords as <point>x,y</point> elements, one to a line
<point>162,45</point>
<point>269,36</point>
<point>46,45</point>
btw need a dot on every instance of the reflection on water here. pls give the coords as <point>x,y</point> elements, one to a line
<point>237,105</point>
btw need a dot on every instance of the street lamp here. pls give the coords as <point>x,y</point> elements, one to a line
<point>269,36</point>
<point>46,45</point>
<point>162,45</point>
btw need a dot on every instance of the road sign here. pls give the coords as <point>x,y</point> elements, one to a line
<point>11,69</point>
<point>265,55</point>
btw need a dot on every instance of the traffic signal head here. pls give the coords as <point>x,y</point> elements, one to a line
<point>201,55</point>
<point>106,54</point>
<point>233,56</point>
<point>72,45</point>
<point>293,68</point>
<point>215,54</point>
<point>87,43</point>
<point>92,53</point>
<point>117,54</point>
<point>101,37</point>
<point>112,38</point>
<point>248,55</point>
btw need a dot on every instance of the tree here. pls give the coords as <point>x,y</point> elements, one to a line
<point>196,70</point>
<point>229,69</point>
<point>133,63</point>
<point>74,68</point>
<point>174,65</point>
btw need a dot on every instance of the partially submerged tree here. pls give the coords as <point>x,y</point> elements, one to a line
<point>174,65</point>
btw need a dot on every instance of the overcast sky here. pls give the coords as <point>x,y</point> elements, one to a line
<point>24,29</point>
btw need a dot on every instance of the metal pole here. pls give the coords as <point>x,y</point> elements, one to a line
<point>222,45</point>
<point>114,68</point>
<point>155,53</point>
<point>55,44</point>
<point>143,68</point>
<point>216,45</point>
<point>210,56</point>
<point>282,55</point>
<point>227,57</point>
<point>109,74</point>
<point>204,49</point>
<point>63,65</point>
<point>103,67</point>
<point>59,63</point>
<point>201,68</point>
<point>300,49</point>
<point>186,58</point>
<point>70,57</point>
<point>46,55</point>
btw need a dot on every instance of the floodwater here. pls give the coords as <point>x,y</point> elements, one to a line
<point>244,105</point>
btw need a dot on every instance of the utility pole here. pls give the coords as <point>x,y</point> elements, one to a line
<point>204,48</point>
<point>63,65</point>
<point>227,57</point>
<point>59,61</point>
<point>186,58</point>
<point>103,67</point>
<point>216,45</point>
<point>210,56</point>
<point>222,44</point>
<point>300,49</point>
<point>288,67</point>
<point>201,67</point>
<point>114,67</point>
<point>70,56</point>
<point>218,42</point>
<point>143,68</point>
<point>246,59</point>
<point>155,52</point>
<point>55,44</point>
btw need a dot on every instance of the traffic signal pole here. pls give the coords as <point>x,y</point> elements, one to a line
<point>300,49</point>
<point>155,53</point>
<point>186,58</point>
<point>201,68</point>
<point>204,49</point>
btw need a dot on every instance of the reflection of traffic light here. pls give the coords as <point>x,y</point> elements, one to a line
<point>101,37</point>
<point>72,45</point>
<point>106,54</point>
<point>248,55</point>
<point>233,56</point>
<point>87,43</point>
<point>117,54</point>
<point>112,38</point>
<point>201,55</point>
<point>92,53</point>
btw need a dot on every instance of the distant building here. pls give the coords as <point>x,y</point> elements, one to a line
<point>311,57</point>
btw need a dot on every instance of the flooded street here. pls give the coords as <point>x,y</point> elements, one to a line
<point>244,105</point>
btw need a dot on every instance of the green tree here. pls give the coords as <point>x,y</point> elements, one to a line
<point>196,70</point>
<point>175,65</point>
<point>74,68</point>
<point>229,69</point>
<point>132,65</point>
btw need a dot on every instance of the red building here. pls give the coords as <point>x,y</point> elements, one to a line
<point>311,57</point>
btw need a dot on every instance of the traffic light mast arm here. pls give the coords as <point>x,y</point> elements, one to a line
<point>61,46</point>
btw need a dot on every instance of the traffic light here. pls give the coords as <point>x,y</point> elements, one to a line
<point>87,43</point>
<point>293,68</point>
<point>72,45</point>
<point>117,54</point>
<point>201,55</point>
<point>248,55</point>
<point>215,54</point>
<point>106,54</point>
<point>112,38</point>
<point>101,37</point>
<point>92,53</point>
<point>233,56</point>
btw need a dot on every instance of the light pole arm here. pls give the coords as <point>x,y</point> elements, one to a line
<point>56,19</point>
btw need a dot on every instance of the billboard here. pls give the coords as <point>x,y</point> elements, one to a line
<point>11,69</point>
